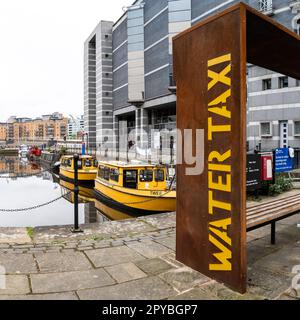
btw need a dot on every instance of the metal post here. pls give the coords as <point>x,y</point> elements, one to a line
<point>76,228</point>
<point>273,232</point>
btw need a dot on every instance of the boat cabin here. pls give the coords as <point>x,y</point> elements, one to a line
<point>84,162</point>
<point>141,177</point>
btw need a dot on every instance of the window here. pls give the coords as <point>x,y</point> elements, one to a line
<point>88,163</point>
<point>146,175</point>
<point>114,175</point>
<point>267,84</point>
<point>159,175</point>
<point>297,128</point>
<point>283,82</point>
<point>265,5</point>
<point>265,129</point>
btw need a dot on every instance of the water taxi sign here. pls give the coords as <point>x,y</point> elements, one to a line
<point>210,72</point>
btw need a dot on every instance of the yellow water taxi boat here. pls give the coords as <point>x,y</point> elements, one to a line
<point>87,169</point>
<point>134,188</point>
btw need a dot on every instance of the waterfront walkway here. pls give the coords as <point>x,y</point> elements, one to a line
<point>134,259</point>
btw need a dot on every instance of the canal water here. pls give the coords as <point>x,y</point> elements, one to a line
<point>24,184</point>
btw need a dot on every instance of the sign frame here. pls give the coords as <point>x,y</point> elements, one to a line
<point>210,72</point>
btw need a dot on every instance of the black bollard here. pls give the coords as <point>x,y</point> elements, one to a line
<point>76,228</point>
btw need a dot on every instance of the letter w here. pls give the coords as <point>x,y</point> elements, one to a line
<point>222,256</point>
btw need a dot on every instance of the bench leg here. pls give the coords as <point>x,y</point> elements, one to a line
<point>273,231</point>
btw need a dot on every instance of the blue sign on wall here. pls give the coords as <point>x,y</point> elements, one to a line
<point>283,161</point>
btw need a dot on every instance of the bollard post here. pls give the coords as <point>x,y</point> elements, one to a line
<point>76,228</point>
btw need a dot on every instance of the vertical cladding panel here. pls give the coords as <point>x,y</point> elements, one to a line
<point>135,30</point>
<point>199,55</point>
<point>153,7</point>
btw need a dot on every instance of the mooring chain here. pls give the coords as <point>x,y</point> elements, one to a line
<point>35,207</point>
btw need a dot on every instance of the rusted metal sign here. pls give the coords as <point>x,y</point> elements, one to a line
<point>210,72</point>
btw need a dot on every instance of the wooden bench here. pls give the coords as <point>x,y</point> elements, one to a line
<point>270,212</point>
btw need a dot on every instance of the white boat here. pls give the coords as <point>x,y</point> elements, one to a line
<point>23,151</point>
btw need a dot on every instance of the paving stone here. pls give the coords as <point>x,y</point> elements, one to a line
<point>154,266</point>
<point>125,272</point>
<point>143,289</point>
<point>149,249</point>
<point>184,278</point>
<point>50,296</point>
<point>4,246</point>
<point>281,261</point>
<point>112,256</point>
<point>18,263</point>
<point>62,261</point>
<point>268,284</point>
<point>169,242</point>
<point>195,294</point>
<point>15,284</point>
<point>223,293</point>
<point>70,281</point>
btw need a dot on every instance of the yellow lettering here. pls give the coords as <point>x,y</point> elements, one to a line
<point>224,223</point>
<point>221,59</point>
<point>219,185</point>
<point>222,256</point>
<point>216,204</point>
<point>218,156</point>
<point>216,128</point>
<point>221,111</point>
<point>219,77</point>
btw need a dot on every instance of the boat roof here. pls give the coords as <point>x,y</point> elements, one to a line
<point>80,156</point>
<point>121,164</point>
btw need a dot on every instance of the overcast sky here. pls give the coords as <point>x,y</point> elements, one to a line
<point>41,53</point>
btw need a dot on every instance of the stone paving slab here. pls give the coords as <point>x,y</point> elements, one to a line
<point>111,256</point>
<point>18,263</point>
<point>154,266</point>
<point>125,272</point>
<point>149,249</point>
<point>151,288</point>
<point>49,296</point>
<point>70,281</point>
<point>16,284</point>
<point>195,294</point>
<point>184,278</point>
<point>62,261</point>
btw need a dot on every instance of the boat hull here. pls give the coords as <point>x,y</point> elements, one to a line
<point>133,203</point>
<point>86,178</point>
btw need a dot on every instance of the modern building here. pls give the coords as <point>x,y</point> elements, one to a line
<point>75,127</point>
<point>22,130</point>
<point>129,85</point>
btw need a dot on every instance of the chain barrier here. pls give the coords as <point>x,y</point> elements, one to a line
<point>35,207</point>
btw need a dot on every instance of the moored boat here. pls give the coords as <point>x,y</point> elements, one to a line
<point>87,169</point>
<point>134,188</point>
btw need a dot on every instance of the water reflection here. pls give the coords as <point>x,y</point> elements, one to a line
<point>17,191</point>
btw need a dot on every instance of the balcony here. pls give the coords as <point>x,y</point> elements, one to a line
<point>266,7</point>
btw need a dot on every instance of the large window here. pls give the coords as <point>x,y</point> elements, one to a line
<point>159,175</point>
<point>267,84</point>
<point>297,128</point>
<point>266,129</point>
<point>283,82</point>
<point>114,174</point>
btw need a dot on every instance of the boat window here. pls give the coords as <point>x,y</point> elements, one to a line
<point>130,179</point>
<point>95,163</point>
<point>159,175</point>
<point>88,163</point>
<point>106,172</point>
<point>146,175</point>
<point>68,162</point>
<point>101,172</point>
<point>114,174</point>
<point>79,164</point>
